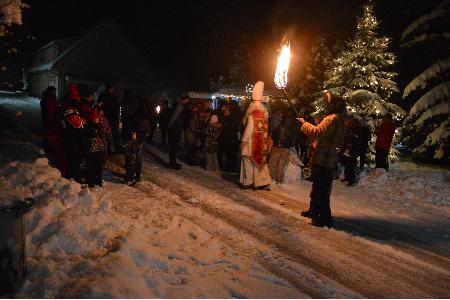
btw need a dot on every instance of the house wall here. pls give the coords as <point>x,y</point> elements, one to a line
<point>45,56</point>
<point>38,82</point>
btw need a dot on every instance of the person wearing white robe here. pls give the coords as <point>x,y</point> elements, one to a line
<point>253,174</point>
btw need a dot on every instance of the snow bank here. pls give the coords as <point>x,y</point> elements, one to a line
<point>408,182</point>
<point>80,246</point>
<point>66,226</point>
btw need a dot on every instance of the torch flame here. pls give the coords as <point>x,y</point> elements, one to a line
<point>283,66</point>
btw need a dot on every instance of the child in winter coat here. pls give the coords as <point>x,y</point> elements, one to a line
<point>95,152</point>
<point>133,159</point>
<point>212,132</point>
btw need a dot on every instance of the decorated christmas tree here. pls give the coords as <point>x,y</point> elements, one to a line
<point>427,128</point>
<point>361,75</point>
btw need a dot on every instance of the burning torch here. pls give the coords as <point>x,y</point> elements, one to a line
<point>282,72</point>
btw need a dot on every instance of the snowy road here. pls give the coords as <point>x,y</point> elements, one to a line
<point>363,257</point>
<point>192,234</point>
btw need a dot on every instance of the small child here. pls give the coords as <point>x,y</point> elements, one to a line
<point>212,133</point>
<point>133,159</point>
<point>95,154</point>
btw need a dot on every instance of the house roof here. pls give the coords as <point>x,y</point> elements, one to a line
<point>79,41</point>
<point>90,33</point>
<point>200,95</point>
<point>55,42</point>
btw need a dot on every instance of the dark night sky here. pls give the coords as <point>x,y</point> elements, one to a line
<point>195,39</point>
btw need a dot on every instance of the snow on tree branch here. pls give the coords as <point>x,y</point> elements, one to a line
<point>436,94</point>
<point>439,11</point>
<point>436,137</point>
<point>427,37</point>
<point>421,81</point>
<point>440,109</point>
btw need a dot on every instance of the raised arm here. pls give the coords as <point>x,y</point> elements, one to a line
<point>315,131</point>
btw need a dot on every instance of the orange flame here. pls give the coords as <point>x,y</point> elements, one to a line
<point>283,66</point>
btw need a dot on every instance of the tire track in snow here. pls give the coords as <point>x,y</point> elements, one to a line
<point>377,262</point>
<point>383,271</point>
<point>307,281</point>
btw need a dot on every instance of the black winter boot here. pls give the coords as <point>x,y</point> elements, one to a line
<point>306,214</point>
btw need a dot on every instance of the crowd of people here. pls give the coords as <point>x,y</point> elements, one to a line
<point>85,130</point>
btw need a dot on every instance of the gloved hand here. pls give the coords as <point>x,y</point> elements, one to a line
<point>301,121</point>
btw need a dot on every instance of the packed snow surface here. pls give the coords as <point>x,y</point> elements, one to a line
<point>193,234</point>
<point>79,246</point>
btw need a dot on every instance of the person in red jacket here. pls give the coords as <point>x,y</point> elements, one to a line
<point>385,133</point>
<point>49,111</point>
<point>73,134</point>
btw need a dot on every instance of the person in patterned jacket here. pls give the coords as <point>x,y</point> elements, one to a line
<point>212,132</point>
<point>73,134</point>
<point>95,151</point>
<point>105,129</point>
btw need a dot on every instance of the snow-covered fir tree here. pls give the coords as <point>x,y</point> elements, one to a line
<point>361,74</point>
<point>307,83</point>
<point>427,128</point>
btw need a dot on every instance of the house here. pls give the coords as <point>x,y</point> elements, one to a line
<point>102,55</point>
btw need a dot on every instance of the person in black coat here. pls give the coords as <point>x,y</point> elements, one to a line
<point>175,129</point>
<point>153,120</point>
<point>95,152</point>
<point>112,111</point>
<point>350,149</point>
<point>163,120</point>
<point>283,139</point>
<point>228,139</point>
<point>364,139</point>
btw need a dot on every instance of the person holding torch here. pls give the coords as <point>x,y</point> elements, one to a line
<point>327,138</point>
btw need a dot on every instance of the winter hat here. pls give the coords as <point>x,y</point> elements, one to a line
<point>73,93</point>
<point>214,119</point>
<point>258,90</point>
<point>335,104</point>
